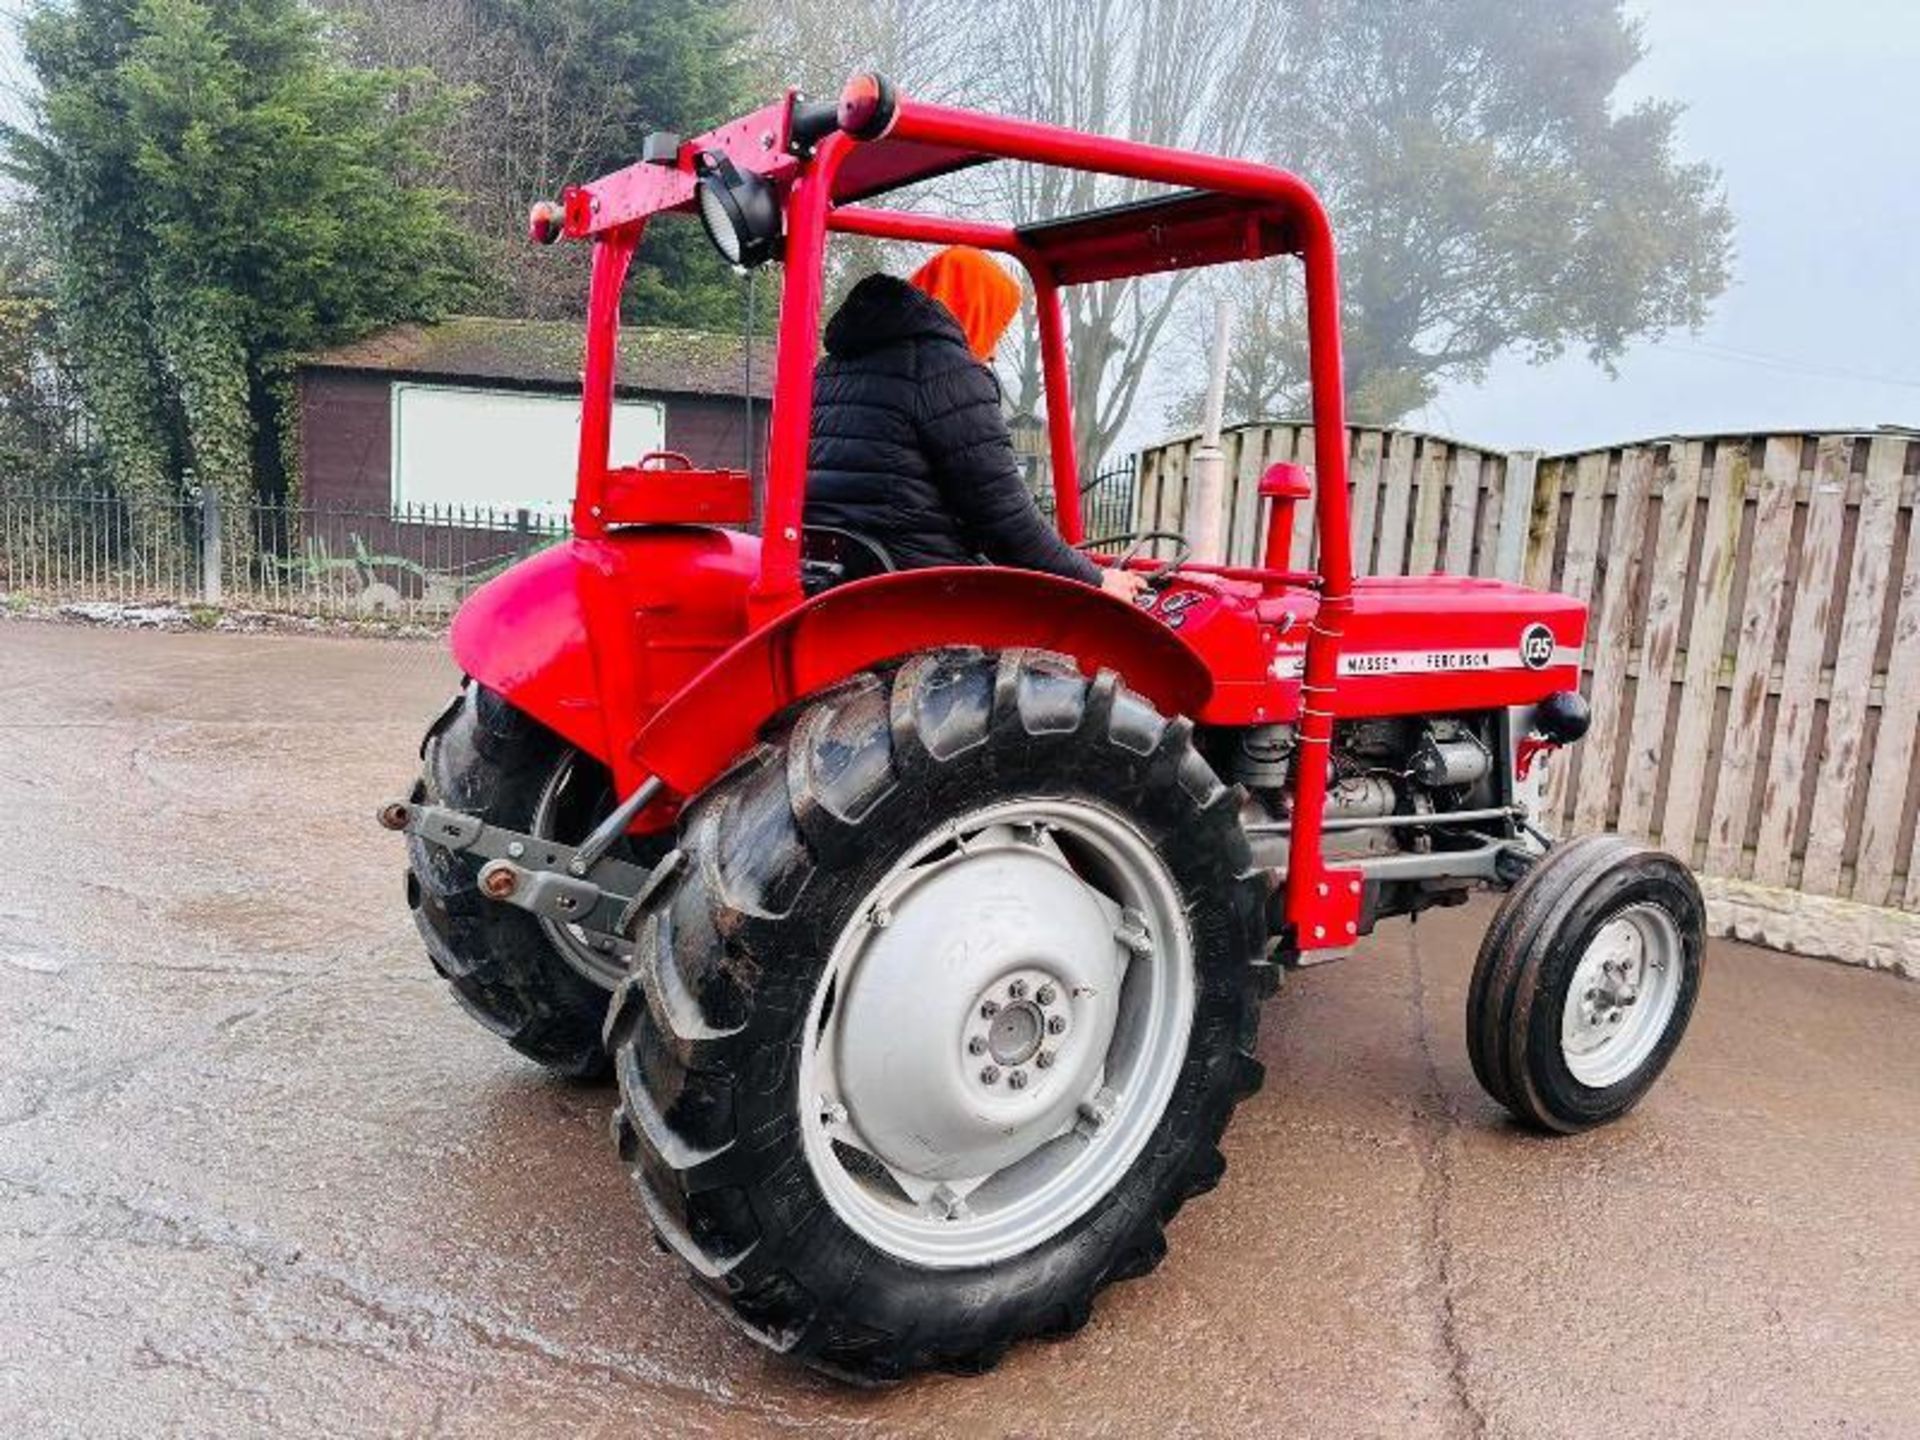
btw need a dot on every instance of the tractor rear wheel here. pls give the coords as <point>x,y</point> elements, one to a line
<point>939,1013</point>
<point>1585,983</point>
<point>540,985</point>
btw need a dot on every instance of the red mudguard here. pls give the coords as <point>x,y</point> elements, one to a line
<point>635,647</point>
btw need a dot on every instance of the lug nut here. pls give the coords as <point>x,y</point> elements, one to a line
<point>989,1009</point>
<point>1018,990</point>
<point>1056,1024</point>
<point>977,1046</point>
<point>1017,1080</point>
<point>990,1075</point>
<point>1047,995</point>
<point>1044,1059</point>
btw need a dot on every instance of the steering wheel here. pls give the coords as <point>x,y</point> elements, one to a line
<point>1162,574</point>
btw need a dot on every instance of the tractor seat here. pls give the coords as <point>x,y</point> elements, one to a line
<point>830,556</point>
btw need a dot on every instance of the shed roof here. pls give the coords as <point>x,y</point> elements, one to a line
<point>653,360</point>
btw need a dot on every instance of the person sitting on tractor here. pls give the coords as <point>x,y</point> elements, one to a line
<point>910,448</point>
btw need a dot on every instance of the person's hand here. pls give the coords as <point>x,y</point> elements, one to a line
<point>1123,584</point>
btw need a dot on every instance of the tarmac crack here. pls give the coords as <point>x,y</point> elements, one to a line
<point>1436,1119</point>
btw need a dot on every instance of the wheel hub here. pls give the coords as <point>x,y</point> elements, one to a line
<point>1014,1035</point>
<point>940,1026</point>
<point>996,1033</point>
<point>1023,1029</point>
<point>1621,996</point>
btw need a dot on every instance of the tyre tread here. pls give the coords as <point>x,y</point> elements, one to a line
<point>485,757</point>
<point>1503,997</point>
<point>932,709</point>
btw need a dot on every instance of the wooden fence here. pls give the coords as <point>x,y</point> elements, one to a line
<point>1420,502</point>
<point>1753,656</point>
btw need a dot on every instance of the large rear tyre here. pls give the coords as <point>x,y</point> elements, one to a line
<point>940,1012</point>
<point>540,986</point>
<point>1585,983</point>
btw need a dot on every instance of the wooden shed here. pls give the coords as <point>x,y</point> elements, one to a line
<point>485,413</point>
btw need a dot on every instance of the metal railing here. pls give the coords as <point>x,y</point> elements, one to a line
<point>88,545</point>
<point>1106,501</point>
<point>409,563</point>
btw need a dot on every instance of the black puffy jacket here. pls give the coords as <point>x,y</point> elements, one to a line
<point>909,445</point>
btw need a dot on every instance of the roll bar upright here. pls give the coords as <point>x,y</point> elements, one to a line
<point>1238,211</point>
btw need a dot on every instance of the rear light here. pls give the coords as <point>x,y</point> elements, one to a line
<point>546,223</point>
<point>866,107</point>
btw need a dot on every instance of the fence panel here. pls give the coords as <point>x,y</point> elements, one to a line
<point>1889,807</point>
<point>1862,608</point>
<point>1808,630</point>
<point>1754,650</point>
<point>1676,488</point>
<point>1613,631</point>
<point>1419,502</point>
<point>1764,576</point>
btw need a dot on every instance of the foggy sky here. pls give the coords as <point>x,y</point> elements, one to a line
<point>1811,109</point>
<point>1812,113</point>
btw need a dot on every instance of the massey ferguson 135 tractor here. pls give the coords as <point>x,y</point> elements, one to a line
<point>925,916</point>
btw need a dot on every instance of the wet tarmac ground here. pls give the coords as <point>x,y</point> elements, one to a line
<point>260,1175</point>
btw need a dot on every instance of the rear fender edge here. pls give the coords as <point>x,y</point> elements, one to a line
<point>524,635</point>
<point>708,725</point>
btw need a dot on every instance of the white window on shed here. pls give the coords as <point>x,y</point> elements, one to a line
<point>502,449</point>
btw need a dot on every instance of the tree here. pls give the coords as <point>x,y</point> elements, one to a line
<point>1182,73</point>
<point>219,196</point>
<point>1489,194</point>
<point>932,47</point>
<point>557,92</point>
<point>38,444</point>
<point>1487,190</point>
<point>1174,72</point>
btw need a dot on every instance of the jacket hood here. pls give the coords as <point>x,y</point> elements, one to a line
<point>980,295</point>
<point>883,309</point>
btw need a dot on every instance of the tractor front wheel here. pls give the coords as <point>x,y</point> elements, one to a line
<point>1585,983</point>
<point>941,1013</point>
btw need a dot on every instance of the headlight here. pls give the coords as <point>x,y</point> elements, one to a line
<point>741,211</point>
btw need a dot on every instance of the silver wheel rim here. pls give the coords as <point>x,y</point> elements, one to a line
<point>1622,997</point>
<point>604,960</point>
<point>997,1032</point>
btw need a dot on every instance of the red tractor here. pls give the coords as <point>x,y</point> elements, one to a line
<point>925,916</point>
